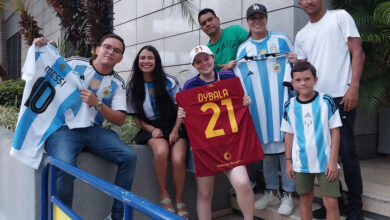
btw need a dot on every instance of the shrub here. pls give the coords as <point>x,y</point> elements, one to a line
<point>8,117</point>
<point>11,92</point>
<point>127,131</point>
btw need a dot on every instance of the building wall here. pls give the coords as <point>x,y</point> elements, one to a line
<point>161,25</point>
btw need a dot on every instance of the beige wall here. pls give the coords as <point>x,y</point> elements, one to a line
<point>142,22</point>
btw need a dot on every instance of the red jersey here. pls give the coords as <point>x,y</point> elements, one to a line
<point>220,128</point>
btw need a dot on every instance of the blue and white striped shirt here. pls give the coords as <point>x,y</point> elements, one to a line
<point>311,122</point>
<point>51,89</point>
<point>263,81</point>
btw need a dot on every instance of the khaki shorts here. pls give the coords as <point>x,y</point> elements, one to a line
<point>304,183</point>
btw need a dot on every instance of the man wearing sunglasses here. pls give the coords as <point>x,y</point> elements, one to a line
<point>103,97</point>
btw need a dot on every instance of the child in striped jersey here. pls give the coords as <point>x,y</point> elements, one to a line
<point>311,121</point>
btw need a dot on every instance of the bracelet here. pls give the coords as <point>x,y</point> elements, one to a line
<point>288,158</point>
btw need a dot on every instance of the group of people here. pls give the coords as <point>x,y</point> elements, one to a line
<point>317,124</point>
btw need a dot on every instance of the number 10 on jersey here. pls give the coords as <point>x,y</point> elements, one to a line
<point>210,131</point>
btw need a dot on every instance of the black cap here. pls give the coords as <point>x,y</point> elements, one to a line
<point>256,8</point>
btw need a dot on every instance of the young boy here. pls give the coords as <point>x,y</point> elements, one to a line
<point>311,124</point>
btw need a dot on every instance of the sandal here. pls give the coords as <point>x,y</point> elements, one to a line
<point>182,210</point>
<point>166,203</point>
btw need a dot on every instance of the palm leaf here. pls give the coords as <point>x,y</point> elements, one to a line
<point>382,12</point>
<point>188,9</point>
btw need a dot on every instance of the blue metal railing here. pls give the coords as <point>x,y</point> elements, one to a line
<point>130,200</point>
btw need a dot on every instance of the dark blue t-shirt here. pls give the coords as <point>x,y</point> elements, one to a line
<point>196,81</point>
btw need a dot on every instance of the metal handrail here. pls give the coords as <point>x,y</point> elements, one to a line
<point>130,200</point>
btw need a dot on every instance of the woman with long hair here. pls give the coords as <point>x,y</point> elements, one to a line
<point>151,101</point>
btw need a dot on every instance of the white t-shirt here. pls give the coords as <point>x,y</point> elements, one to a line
<point>263,82</point>
<point>108,88</point>
<point>310,122</point>
<point>324,44</point>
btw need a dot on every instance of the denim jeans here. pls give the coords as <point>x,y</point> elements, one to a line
<point>349,159</point>
<point>271,175</point>
<point>66,144</point>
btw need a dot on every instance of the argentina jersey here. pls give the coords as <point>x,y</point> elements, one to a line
<point>149,106</point>
<point>262,79</point>
<point>310,122</point>
<point>51,89</point>
<point>109,88</point>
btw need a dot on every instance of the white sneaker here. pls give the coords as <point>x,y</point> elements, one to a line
<point>267,200</point>
<point>287,206</point>
<point>109,217</point>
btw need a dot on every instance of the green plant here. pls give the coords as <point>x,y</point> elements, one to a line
<point>11,92</point>
<point>9,117</point>
<point>373,21</point>
<point>127,131</point>
<point>65,49</point>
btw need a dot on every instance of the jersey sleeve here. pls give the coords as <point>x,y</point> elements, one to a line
<point>175,88</point>
<point>119,99</point>
<point>347,25</point>
<point>286,122</point>
<point>29,65</point>
<point>334,119</point>
<point>298,48</point>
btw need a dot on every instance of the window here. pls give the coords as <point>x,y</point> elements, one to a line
<point>14,56</point>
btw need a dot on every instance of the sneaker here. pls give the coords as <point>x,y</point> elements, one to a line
<point>109,217</point>
<point>267,200</point>
<point>320,213</point>
<point>287,205</point>
<point>354,215</point>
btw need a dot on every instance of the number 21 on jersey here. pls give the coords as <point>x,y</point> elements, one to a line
<point>210,131</point>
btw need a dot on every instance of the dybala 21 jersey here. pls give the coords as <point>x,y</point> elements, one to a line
<point>51,89</point>
<point>262,79</point>
<point>219,127</point>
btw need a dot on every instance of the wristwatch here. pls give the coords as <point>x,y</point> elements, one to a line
<point>99,105</point>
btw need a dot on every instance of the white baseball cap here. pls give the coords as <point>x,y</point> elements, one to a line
<point>200,49</point>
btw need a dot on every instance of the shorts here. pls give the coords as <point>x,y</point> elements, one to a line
<point>143,136</point>
<point>304,183</point>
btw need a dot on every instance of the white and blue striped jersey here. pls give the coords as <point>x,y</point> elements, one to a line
<point>51,89</point>
<point>150,109</point>
<point>111,89</point>
<point>262,80</point>
<point>311,122</point>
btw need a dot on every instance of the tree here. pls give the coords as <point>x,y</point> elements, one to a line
<point>29,28</point>
<point>373,21</point>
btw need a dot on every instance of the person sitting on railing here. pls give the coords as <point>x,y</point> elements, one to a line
<point>151,101</point>
<point>103,97</point>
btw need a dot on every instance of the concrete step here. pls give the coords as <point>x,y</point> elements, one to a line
<point>271,212</point>
<point>376,185</point>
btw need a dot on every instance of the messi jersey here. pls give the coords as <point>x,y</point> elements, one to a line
<point>310,122</point>
<point>219,127</point>
<point>51,89</point>
<point>263,82</point>
<point>108,88</point>
<point>150,108</point>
